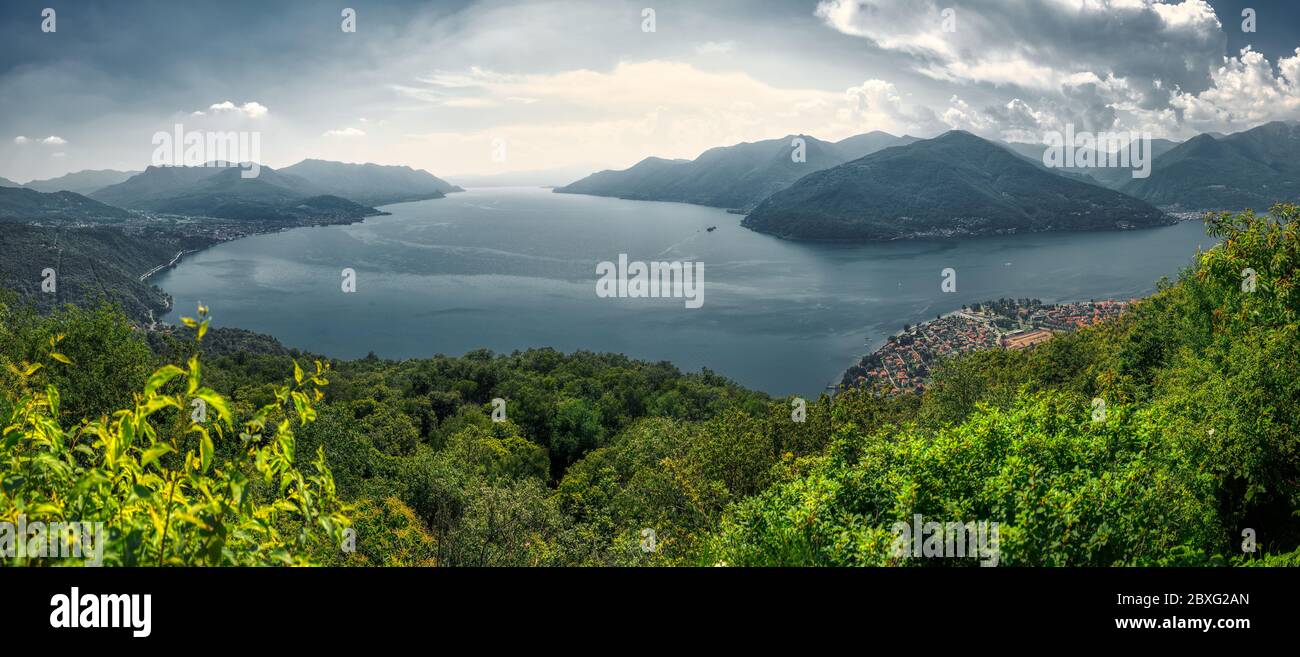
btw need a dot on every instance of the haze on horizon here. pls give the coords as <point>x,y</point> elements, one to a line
<point>578,83</point>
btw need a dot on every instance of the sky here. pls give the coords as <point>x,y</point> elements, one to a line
<point>462,87</point>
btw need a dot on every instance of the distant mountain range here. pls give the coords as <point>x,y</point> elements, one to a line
<point>877,186</point>
<point>734,177</point>
<point>329,190</point>
<point>372,184</point>
<point>81,182</point>
<point>955,184</point>
<point>222,191</point>
<point>1250,169</point>
<point>28,205</point>
<point>1111,177</point>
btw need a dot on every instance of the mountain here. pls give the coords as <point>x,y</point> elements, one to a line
<point>81,182</point>
<point>1250,169</point>
<point>954,184</point>
<point>1110,177</point>
<point>155,185</point>
<point>227,185</point>
<point>738,176</point>
<point>5,182</point>
<point>223,192</point>
<point>868,143</point>
<point>372,184</point>
<point>93,263</point>
<point>28,205</point>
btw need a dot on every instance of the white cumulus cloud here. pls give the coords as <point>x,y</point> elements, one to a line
<point>715,47</point>
<point>251,109</point>
<point>344,132</point>
<point>1097,64</point>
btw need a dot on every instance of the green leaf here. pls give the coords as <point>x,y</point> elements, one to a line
<point>195,374</point>
<point>154,453</point>
<point>156,404</point>
<point>61,358</point>
<point>46,510</point>
<point>205,451</point>
<point>217,402</point>
<point>52,394</point>
<point>161,377</point>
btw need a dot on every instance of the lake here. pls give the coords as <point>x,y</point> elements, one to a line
<point>513,268</point>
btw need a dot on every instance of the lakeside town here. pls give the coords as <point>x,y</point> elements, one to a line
<point>904,363</point>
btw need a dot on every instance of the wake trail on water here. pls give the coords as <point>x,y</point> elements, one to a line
<point>681,243</point>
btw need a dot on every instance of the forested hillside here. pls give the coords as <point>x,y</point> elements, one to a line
<point>1249,169</point>
<point>1196,444</point>
<point>89,265</point>
<point>738,176</point>
<point>956,184</point>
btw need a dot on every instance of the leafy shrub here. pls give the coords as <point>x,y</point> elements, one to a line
<point>387,534</point>
<point>150,472</point>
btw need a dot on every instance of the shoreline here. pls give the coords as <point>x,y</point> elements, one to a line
<point>155,323</point>
<point>837,385</point>
<point>850,348</point>
<point>837,382</point>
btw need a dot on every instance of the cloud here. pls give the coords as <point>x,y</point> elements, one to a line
<point>251,109</point>
<point>470,103</point>
<point>1120,64</point>
<point>961,116</point>
<point>1053,39</point>
<point>1097,64</point>
<point>630,87</point>
<point>877,102</point>
<point>1245,92</point>
<point>715,47</point>
<point>344,132</point>
<point>52,140</point>
<point>656,107</point>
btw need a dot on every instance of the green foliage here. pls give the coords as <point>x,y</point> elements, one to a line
<point>954,184</point>
<point>1065,490</point>
<point>149,472</point>
<point>1197,445</point>
<point>678,478</point>
<point>99,360</point>
<point>388,533</point>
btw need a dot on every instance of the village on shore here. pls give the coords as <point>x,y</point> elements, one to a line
<point>904,363</point>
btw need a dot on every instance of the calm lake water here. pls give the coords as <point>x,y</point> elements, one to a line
<point>512,268</point>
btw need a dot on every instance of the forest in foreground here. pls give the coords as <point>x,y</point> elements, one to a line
<point>221,447</point>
